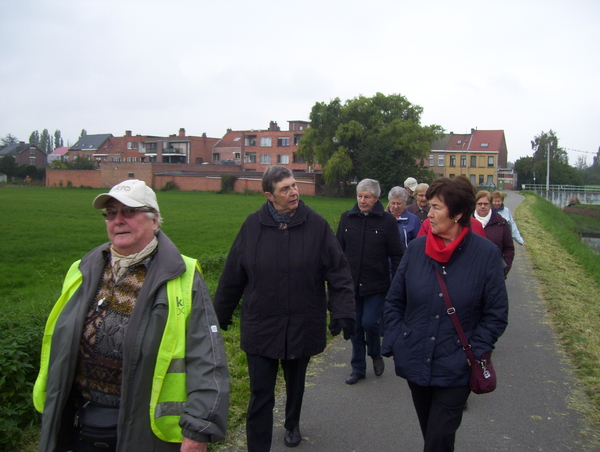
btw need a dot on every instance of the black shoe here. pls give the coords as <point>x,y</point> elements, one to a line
<point>353,378</point>
<point>378,366</point>
<point>292,437</point>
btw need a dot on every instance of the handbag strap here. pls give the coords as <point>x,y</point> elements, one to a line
<point>452,313</point>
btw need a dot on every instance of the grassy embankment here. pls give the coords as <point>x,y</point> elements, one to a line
<point>44,230</point>
<point>569,272</point>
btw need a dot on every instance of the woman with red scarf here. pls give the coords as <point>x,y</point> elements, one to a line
<point>420,334</point>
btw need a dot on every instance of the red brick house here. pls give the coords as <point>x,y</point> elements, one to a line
<point>25,154</point>
<point>255,150</point>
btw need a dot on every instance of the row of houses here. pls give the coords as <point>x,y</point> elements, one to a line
<point>480,155</point>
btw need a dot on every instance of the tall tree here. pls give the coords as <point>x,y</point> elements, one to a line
<point>8,139</point>
<point>46,142</point>
<point>378,137</point>
<point>34,138</point>
<point>548,141</point>
<point>83,133</point>
<point>58,141</point>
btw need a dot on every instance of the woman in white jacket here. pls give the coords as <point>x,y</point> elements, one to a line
<point>498,203</point>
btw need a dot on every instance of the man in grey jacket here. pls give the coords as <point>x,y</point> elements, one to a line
<point>132,358</point>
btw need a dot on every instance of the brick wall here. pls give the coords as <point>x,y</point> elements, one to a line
<point>62,178</point>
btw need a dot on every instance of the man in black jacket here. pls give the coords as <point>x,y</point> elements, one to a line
<point>279,262</point>
<point>369,236</point>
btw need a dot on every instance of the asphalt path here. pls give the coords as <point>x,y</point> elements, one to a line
<point>531,409</point>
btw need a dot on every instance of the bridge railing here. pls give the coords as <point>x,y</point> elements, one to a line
<point>572,188</point>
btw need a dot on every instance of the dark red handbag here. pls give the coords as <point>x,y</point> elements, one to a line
<point>483,375</point>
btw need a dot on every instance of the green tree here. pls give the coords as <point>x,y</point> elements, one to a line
<point>58,141</point>
<point>548,141</point>
<point>46,142</point>
<point>378,137</point>
<point>8,139</point>
<point>8,165</point>
<point>83,133</point>
<point>34,138</point>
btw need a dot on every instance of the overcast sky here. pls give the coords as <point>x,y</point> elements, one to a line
<point>152,67</point>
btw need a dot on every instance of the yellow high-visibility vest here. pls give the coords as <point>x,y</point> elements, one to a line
<point>168,385</point>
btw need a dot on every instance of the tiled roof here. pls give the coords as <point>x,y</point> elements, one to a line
<point>14,148</point>
<point>61,150</point>
<point>231,139</point>
<point>91,142</point>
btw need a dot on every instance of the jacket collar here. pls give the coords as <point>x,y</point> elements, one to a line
<point>376,210</point>
<point>302,212</point>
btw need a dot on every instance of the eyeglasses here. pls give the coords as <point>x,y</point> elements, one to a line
<point>483,204</point>
<point>127,212</point>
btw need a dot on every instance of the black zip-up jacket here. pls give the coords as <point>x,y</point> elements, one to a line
<point>372,244</point>
<point>281,274</point>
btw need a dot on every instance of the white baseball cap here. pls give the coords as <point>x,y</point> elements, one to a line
<point>132,193</point>
<point>411,183</point>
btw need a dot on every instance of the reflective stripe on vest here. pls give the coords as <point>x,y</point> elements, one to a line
<point>168,387</point>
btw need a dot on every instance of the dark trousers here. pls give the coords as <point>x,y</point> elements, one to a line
<point>263,376</point>
<point>367,339</point>
<point>440,412</point>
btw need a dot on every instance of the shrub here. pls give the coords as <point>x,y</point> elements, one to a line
<point>170,185</point>
<point>19,361</point>
<point>227,183</point>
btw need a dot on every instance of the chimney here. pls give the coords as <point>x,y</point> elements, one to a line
<point>473,131</point>
<point>273,127</point>
<point>128,133</point>
<point>182,132</point>
<point>203,134</point>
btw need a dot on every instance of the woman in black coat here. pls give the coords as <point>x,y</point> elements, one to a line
<point>419,332</point>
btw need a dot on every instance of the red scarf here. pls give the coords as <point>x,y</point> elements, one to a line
<point>435,248</point>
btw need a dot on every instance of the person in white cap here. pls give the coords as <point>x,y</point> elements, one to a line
<point>409,185</point>
<point>132,356</point>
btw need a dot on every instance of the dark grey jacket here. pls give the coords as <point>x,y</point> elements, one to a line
<point>418,331</point>
<point>282,276</point>
<point>371,243</point>
<point>205,412</point>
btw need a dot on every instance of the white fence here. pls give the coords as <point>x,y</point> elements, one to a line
<point>561,195</point>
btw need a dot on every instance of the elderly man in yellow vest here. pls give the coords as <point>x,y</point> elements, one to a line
<point>132,356</point>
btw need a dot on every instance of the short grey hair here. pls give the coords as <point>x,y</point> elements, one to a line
<point>272,175</point>
<point>398,193</point>
<point>369,185</point>
<point>421,188</point>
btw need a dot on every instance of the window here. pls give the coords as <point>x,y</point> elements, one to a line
<point>431,160</point>
<point>32,161</point>
<point>31,151</point>
<point>151,146</point>
<point>283,159</point>
<point>132,175</point>
<point>250,157</point>
<point>440,160</point>
<point>490,178</point>
<point>236,139</point>
<point>473,161</point>
<point>216,157</point>
<point>265,142</point>
<point>265,159</point>
<point>236,155</point>
<point>451,176</point>
<point>463,160</point>
<point>472,178</point>
<point>452,160</point>
<point>250,140</point>
<point>484,145</point>
<point>459,142</point>
<point>297,139</point>
<point>481,178</point>
<point>491,161</point>
<point>283,141</point>
<point>132,145</point>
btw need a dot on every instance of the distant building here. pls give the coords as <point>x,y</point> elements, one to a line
<point>25,154</point>
<point>255,150</point>
<point>479,155</point>
<point>60,153</point>
<point>87,146</point>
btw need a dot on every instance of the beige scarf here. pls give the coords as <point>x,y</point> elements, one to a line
<point>121,263</point>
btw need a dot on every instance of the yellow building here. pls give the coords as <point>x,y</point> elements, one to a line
<point>478,155</point>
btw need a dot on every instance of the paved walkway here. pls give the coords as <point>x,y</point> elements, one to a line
<point>529,411</point>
